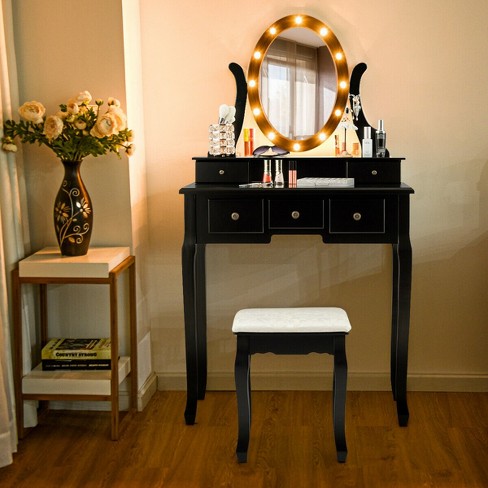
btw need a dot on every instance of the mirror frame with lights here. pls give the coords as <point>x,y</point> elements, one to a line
<point>342,72</point>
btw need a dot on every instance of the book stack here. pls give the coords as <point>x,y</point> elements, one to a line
<point>80,354</point>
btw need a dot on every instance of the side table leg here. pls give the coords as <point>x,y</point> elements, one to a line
<point>114,342</point>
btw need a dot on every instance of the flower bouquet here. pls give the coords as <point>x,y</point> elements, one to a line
<point>77,130</point>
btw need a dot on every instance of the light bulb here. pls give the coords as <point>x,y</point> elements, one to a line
<point>298,19</point>
<point>324,31</point>
<point>271,136</point>
<point>343,84</point>
<point>339,56</point>
<point>322,136</point>
<point>252,83</point>
<point>338,113</point>
<point>272,31</point>
<point>257,55</point>
<point>296,147</point>
<point>256,111</point>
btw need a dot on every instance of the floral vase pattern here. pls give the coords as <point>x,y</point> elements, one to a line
<point>73,212</point>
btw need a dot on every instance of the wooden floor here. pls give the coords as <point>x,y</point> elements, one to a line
<point>445,444</point>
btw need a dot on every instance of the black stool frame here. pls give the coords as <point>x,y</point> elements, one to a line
<point>249,343</point>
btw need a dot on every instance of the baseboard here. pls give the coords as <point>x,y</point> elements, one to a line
<point>321,381</point>
<point>146,392</point>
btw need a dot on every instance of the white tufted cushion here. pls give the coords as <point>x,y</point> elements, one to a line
<point>289,320</point>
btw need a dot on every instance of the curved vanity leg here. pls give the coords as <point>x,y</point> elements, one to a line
<point>339,390</point>
<point>394,319</point>
<point>201,319</point>
<point>243,393</point>
<point>404,281</point>
<point>188,254</point>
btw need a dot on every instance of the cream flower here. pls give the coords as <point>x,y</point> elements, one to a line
<point>119,115</point>
<point>73,108</point>
<point>106,126</point>
<point>113,101</point>
<point>32,112</point>
<point>53,127</point>
<point>130,150</point>
<point>9,147</point>
<point>79,124</point>
<point>83,97</point>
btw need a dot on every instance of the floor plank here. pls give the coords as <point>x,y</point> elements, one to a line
<point>445,444</point>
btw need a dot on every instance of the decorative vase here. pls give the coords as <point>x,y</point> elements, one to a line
<point>73,212</point>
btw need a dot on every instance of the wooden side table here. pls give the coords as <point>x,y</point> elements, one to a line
<point>103,266</point>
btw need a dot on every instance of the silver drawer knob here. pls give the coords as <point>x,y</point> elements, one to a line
<point>221,172</point>
<point>374,172</point>
<point>295,214</point>
<point>234,216</point>
<point>356,216</point>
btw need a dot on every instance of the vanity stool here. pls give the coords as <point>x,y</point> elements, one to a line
<point>290,331</point>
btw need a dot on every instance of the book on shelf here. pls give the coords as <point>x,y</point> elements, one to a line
<point>76,364</point>
<point>63,353</point>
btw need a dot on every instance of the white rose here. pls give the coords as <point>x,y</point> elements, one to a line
<point>32,112</point>
<point>106,126</point>
<point>79,124</point>
<point>73,108</point>
<point>119,115</point>
<point>53,127</point>
<point>82,98</point>
<point>9,147</point>
<point>113,101</point>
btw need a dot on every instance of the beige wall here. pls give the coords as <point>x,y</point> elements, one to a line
<point>425,78</point>
<point>62,48</point>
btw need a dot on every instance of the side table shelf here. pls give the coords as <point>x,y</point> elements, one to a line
<point>99,266</point>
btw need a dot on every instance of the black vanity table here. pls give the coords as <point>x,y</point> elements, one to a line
<point>375,210</point>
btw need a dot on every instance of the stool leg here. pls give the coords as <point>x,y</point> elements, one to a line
<point>243,393</point>
<point>339,397</point>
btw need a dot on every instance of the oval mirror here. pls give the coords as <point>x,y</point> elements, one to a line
<point>298,82</point>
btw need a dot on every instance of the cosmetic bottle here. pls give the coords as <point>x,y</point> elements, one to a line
<point>337,149</point>
<point>279,181</point>
<point>380,140</point>
<point>247,149</point>
<point>267,172</point>
<point>367,143</point>
<point>292,174</point>
<point>251,141</point>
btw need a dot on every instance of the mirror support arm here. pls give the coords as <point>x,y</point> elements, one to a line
<point>361,121</point>
<point>241,97</point>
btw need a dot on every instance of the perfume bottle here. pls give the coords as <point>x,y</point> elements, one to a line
<point>367,143</point>
<point>380,140</point>
<point>279,181</point>
<point>267,172</point>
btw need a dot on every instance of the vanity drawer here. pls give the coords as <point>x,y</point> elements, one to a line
<point>221,171</point>
<point>296,214</point>
<point>243,216</point>
<point>374,172</point>
<point>357,216</point>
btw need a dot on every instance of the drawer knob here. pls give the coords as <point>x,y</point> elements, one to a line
<point>356,216</point>
<point>234,216</point>
<point>295,214</point>
<point>374,172</point>
<point>221,172</point>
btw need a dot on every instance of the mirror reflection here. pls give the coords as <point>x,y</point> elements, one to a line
<point>298,83</point>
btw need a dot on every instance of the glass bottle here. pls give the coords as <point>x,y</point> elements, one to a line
<point>279,181</point>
